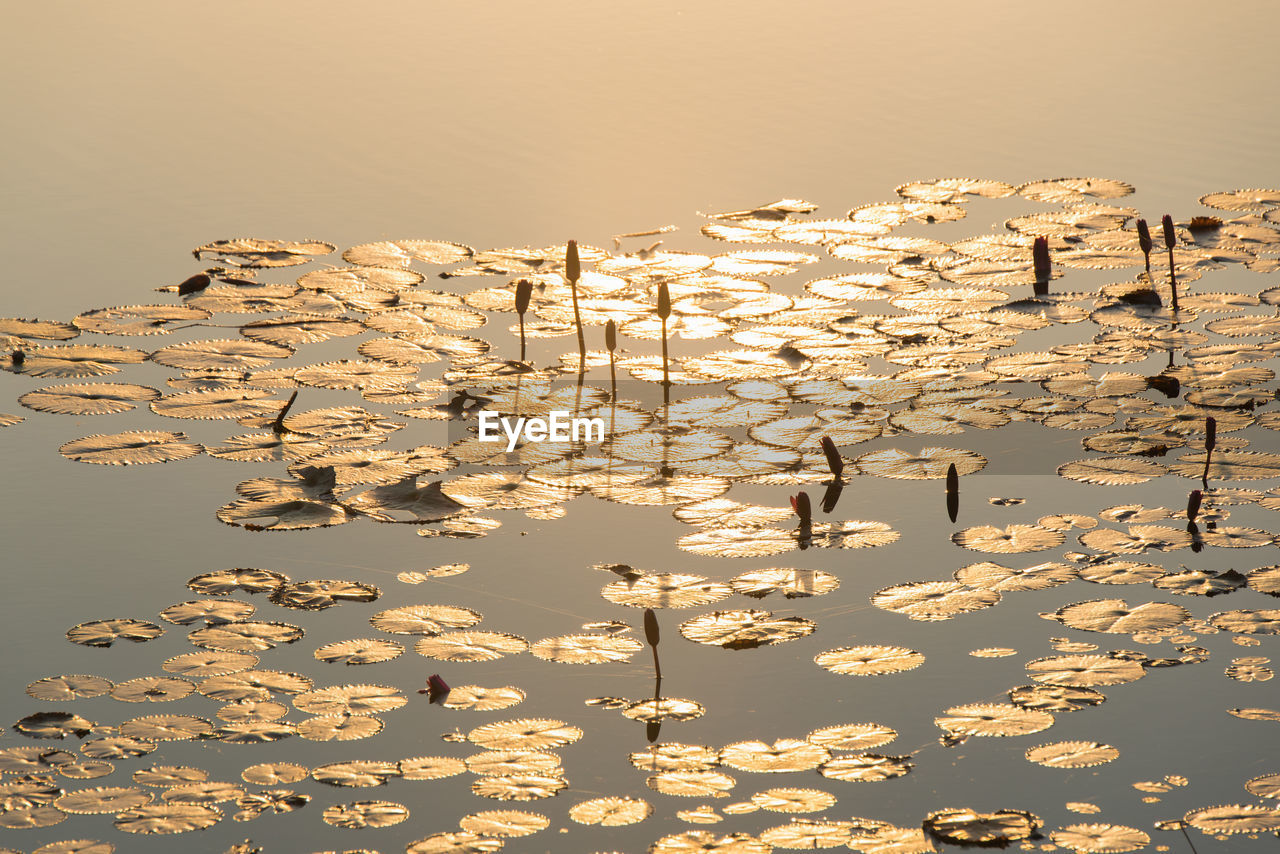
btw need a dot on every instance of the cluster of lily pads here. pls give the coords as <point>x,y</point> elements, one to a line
<point>923,347</point>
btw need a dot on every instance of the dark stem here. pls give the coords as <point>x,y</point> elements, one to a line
<point>522,337</point>
<point>577,318</point>
<point>1173,282</point>
<point>666,377</point>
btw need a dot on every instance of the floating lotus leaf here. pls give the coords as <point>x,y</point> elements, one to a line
<point>471,646</point>
<point>1121,572</point>
<point>1115,616</point>
<point>166,728</point>
<point>131,448</point>
<point>401,253</point>
<point>745,629</point>
<point>255,732</point>
<point>866,768</point>
<point>208,792</point>
<point>676,757</point>
<point>75,360</point>
<point>1138,539</point>
<point>928,463</point>
<point>666,590</point>
<point>363,814</point>
<point>692,784</point>
<point>852,736</point>
<point>339,728</point>
<point>207,611</point>
<point>430,767</point>
<point>117,747</point>
<point>524,734</point>
<point>164,776</point>
<point>231,353</point>
<point>722,512</point>
<point>107,632</point>
<point>504,823</point>
<point>1229,465</point>
<point>1084,671</point>
<point>360,651</point>
<point>1265,579</point>
<point>245,637</point>
<point>424,619</point>
<point>869,660</point>
<point>496,762</point>
<point>1100,838</point>
<point>479,699</point>
<point>34,760</point>
<point>1242,200</point>
<point>661,489</point>
<point>946,190</point>
<point>54,330</point>
<point>227,581</point>
<point>966,827</point>
<point>1072,754</point>
<point>933,600</point>
<point>350,700</point>
<point>505,491</point>
<point>31,817</point>
<point>321,594</point>
<point>993,576</point>
<point>167,818</point>
<point>88,398</point>
<point>791,583</point>
<point>992,719</point>
<point>358,774</point>
<point>785,754</point>
<point>611,811</point>
<point>585,649</point>
<point>252,711</point>
<point>62,689</point>
<point>1009,540</point>
<point>454,843</point>
<point>945,419</point>
<point>739,542</point>
<point>1260,622</point>
<point>519,787</point>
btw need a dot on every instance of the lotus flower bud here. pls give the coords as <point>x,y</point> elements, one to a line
<point>650,627</point>
<point>1144,237</point>
<point>800,504</point>
<point>524,290</point>
<point>572,268</point>
<point>1040,257</point>
<point>834,462</point>
<point>1170,239</point>
<point>1193,505</point>
<point>664,301</point>
<point>611,336</point>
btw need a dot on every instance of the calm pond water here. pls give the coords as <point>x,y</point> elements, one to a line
<point>143,133</point>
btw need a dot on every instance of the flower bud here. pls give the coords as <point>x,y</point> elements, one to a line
<point>572,268</point>
<point>1144,237</point>
<point>1170,239</point>
<point>611,336</point>
<point>524,290</point>
<point>664,301</point>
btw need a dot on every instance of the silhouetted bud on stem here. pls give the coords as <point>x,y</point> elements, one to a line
<point>611,336</point>
<point>195,284</point>
<point>1193,505</point>
<point>650,627</point>
<point>664,301</point>
<point>1144,237</point>
<point>524,290</point>
<point>800,504</point>
<point>1210,433</point>
<point>1040,257</point>
<point>572,270</point>
<point>572,267</point>
<point>1170,239</point>
<point>834,462</point>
